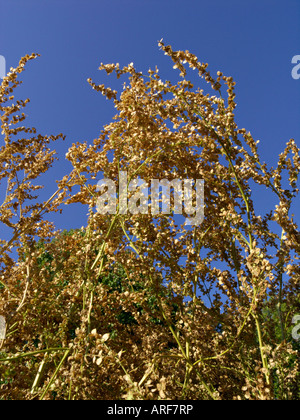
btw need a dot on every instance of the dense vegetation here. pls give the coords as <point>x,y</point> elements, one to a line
<point>140,306</point>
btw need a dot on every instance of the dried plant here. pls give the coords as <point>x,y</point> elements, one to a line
<point>140,306</point>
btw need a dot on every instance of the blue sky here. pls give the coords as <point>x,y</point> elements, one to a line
<point>253,41</point>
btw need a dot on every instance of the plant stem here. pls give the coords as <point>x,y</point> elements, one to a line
<point>55,374</point>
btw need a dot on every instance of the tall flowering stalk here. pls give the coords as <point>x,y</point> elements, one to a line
<point>140,305</point>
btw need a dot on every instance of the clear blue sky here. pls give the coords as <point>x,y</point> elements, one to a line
<point>253,41</point>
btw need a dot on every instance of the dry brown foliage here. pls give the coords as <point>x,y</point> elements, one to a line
<point>137,306</point>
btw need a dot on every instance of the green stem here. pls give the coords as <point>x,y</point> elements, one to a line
<point>55,374</point>
<point>279,305</point>
<point>33,353</point>
<point>263,357</point>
